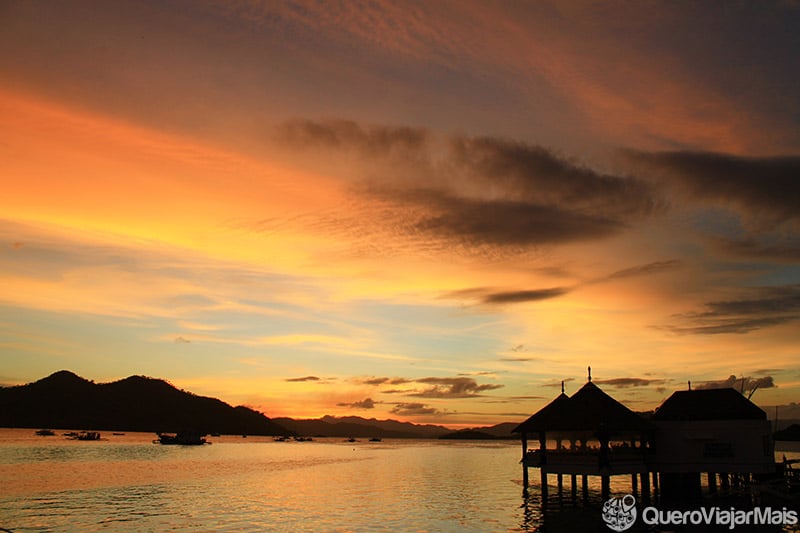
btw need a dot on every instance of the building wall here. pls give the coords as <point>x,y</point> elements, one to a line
<point>743,446</point>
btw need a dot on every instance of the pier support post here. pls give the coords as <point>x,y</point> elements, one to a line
<point>573,489</point>
<point>712,482</point>
<point>724,481</point>
<point>524,440</point>
<point>585,487</point>
<point>645,486</point>
<point>560,481</point>
<point>544,484</point>
<point>634,484</point>
<point>655,485</point>
<point>605,484</point>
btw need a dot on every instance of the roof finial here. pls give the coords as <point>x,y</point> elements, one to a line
<point>590,373</point>
<point>562,386</point>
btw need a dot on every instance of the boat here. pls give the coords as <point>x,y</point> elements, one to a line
<point>88,435</point>
<point>45,432</point>
<point>186,438</point>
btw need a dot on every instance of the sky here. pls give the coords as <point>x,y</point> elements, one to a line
<point>426,211</point>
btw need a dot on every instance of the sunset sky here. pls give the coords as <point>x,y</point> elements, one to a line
<point>429,211</point>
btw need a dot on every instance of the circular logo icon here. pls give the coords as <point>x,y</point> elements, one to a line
<point>619,513</point>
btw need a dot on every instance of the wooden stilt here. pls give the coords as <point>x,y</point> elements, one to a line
<point>645,486</point>
<point>573,488</point>
<point>605,486</point>
<point>655,485</point>
<point>725,482</point>
<point>524,441</point>
<point>712,482</point>
<point>560,481</point>
<point>544,485</point>
<point>634,485</point>
<point>585,487</point>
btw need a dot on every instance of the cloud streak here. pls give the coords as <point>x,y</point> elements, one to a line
<point>758,308</point>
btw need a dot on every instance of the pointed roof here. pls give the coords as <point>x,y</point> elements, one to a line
<point>545,417</point>
<point>708,404</point>
<point>588,409</point>
<point>591,408</point>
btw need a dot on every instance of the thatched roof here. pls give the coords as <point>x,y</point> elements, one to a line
<point>589,409</point>
<point>708,404</point>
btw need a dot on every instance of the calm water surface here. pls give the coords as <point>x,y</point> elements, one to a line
<point>127,483</point>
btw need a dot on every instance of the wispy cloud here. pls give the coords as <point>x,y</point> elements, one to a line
<point>645,270</point>
<point>630,382</point>
<point>538,197</point>
<point>744,383</point>
<point>757,308</point>
<point>302,379</point>
<point>382,381</point>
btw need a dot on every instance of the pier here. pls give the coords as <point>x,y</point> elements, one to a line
<point>716,432</point>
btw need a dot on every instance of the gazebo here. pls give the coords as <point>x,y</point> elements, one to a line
<point>589,433</point>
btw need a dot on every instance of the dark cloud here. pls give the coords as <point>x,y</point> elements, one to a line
<point>767,186</point>
<point>306,378</point>
<point>646,270</point>
<point>366,403</point>
<point>630,382</point>
<point>519,359</point>
<point>489,296</point>
<point>413,409</point>
<point>503,222</point>
<point>759,308</point>
<point>458,387</point>
<point>478,190</point>
<point>745,383</point>
<point>535,295</point>
<point>540,175</point>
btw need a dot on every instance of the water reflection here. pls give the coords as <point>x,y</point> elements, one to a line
<point>258,485</point>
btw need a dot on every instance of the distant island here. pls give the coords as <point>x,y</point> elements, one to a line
<point>65,400</point>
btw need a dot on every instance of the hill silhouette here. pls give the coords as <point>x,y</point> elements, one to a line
<point>137,403</point>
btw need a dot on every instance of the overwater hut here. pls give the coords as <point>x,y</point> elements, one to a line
<point>589,433</point>
<point>717,431</point>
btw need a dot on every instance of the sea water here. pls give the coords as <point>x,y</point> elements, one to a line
<point>128,483</point>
